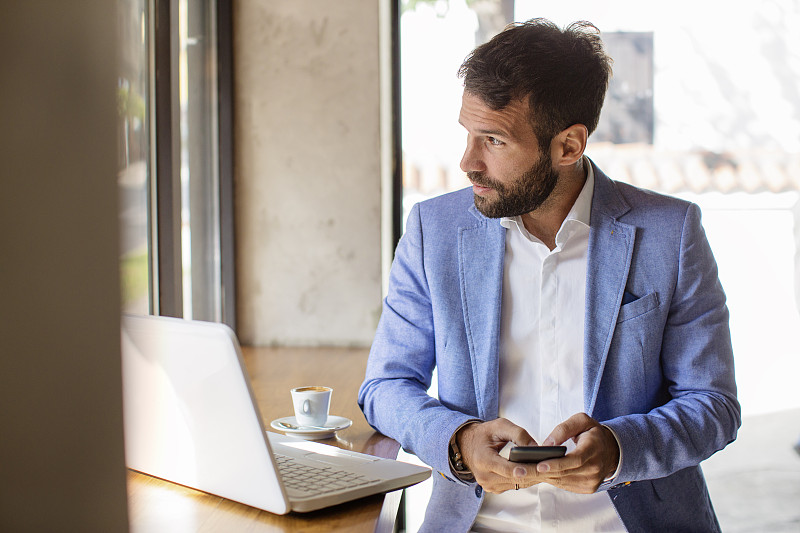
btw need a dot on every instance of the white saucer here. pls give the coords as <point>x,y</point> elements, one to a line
<point>333,424</point>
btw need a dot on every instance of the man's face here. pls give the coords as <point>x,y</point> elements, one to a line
<point>510,175</point>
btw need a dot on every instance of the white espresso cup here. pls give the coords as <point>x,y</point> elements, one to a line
<point>311,405</point>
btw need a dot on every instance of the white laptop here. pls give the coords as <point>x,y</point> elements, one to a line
<point>191,418</point>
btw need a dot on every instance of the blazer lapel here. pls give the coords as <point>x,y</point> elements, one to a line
<point>481,251</point>
<point>609,258</point>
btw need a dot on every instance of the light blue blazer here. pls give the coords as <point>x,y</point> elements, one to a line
<point>658,364</point>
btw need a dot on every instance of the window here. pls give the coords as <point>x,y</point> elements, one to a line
<point>703,105</point>
<point>200,237</point>
<point>175,174</point>
<point>628,109</point>
<point>134,178</point>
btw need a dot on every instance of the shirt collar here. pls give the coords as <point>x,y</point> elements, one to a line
<point>582,208</point>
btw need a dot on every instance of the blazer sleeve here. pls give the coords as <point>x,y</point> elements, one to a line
<point>702,414</point>
<point>394,395</point>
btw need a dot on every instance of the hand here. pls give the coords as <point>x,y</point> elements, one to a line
<point>480,444</point>
<point>595,457</point>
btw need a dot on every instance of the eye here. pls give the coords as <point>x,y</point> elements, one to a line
<point>494,141</point>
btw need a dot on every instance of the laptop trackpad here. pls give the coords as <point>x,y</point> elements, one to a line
<point>341,459</point>
<point>317,451</point>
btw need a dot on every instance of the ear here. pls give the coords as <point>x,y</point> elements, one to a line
<point>568,146</point>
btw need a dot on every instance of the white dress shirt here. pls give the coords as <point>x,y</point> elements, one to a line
<point>541,368</point>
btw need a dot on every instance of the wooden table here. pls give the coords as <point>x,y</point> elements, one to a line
<point>155,505</point>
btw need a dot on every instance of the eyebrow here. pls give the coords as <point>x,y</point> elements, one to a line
<point>490,133</point>
<point>493,133</point>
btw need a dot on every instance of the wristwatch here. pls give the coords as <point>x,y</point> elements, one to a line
<point>456,460</point>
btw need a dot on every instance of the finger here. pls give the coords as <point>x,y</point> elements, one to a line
<point>496,479</point>
<point>503,430</point>
<point>584,454</point>
<point>515,485</point>
<point>571,461</point>
<point>509,470</point>
<point>584,468</point>
<point>578,484</point>
<point>488,438</point>
<point>501,487</point>
<point>570,428</point>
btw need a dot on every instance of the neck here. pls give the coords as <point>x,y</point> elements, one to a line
<point>544,222</point>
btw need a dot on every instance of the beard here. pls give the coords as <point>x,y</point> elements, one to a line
<point>521,195</point>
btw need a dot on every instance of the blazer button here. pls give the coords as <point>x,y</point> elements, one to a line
<point>478,491</point>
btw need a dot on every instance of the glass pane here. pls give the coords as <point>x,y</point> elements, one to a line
<point>703,105</point>
<point>436,36</point>
<point>714,120</point>
<point>134,155</point>
<point>199,160</point>
<point>725,119</point>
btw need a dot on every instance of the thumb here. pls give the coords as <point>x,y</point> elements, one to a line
<point>504,430</point>
<point>569,429</point>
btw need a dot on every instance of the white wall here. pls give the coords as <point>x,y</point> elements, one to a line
<point>61,443</point>
<point>307,171</point>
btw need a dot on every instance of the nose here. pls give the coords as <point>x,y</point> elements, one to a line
<point>471,160</point>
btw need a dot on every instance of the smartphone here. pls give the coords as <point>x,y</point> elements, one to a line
<point>534,454</point>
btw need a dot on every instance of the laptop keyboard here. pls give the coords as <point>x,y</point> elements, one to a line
<point>305,480</point>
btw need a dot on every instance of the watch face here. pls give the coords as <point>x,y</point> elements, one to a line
<point>455,457</point>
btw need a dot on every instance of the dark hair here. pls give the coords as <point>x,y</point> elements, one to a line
<point>564,74</point>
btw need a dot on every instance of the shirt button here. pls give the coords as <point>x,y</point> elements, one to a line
<point>478,491</point>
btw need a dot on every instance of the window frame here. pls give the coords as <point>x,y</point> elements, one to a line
<point>166,290</point>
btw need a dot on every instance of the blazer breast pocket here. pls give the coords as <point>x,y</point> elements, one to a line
<point>638,307</point>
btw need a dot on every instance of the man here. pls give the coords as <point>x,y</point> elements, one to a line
<point>558,306</point>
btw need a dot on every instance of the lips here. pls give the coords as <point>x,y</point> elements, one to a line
<point>479,182</point>
<point>480,189</point>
